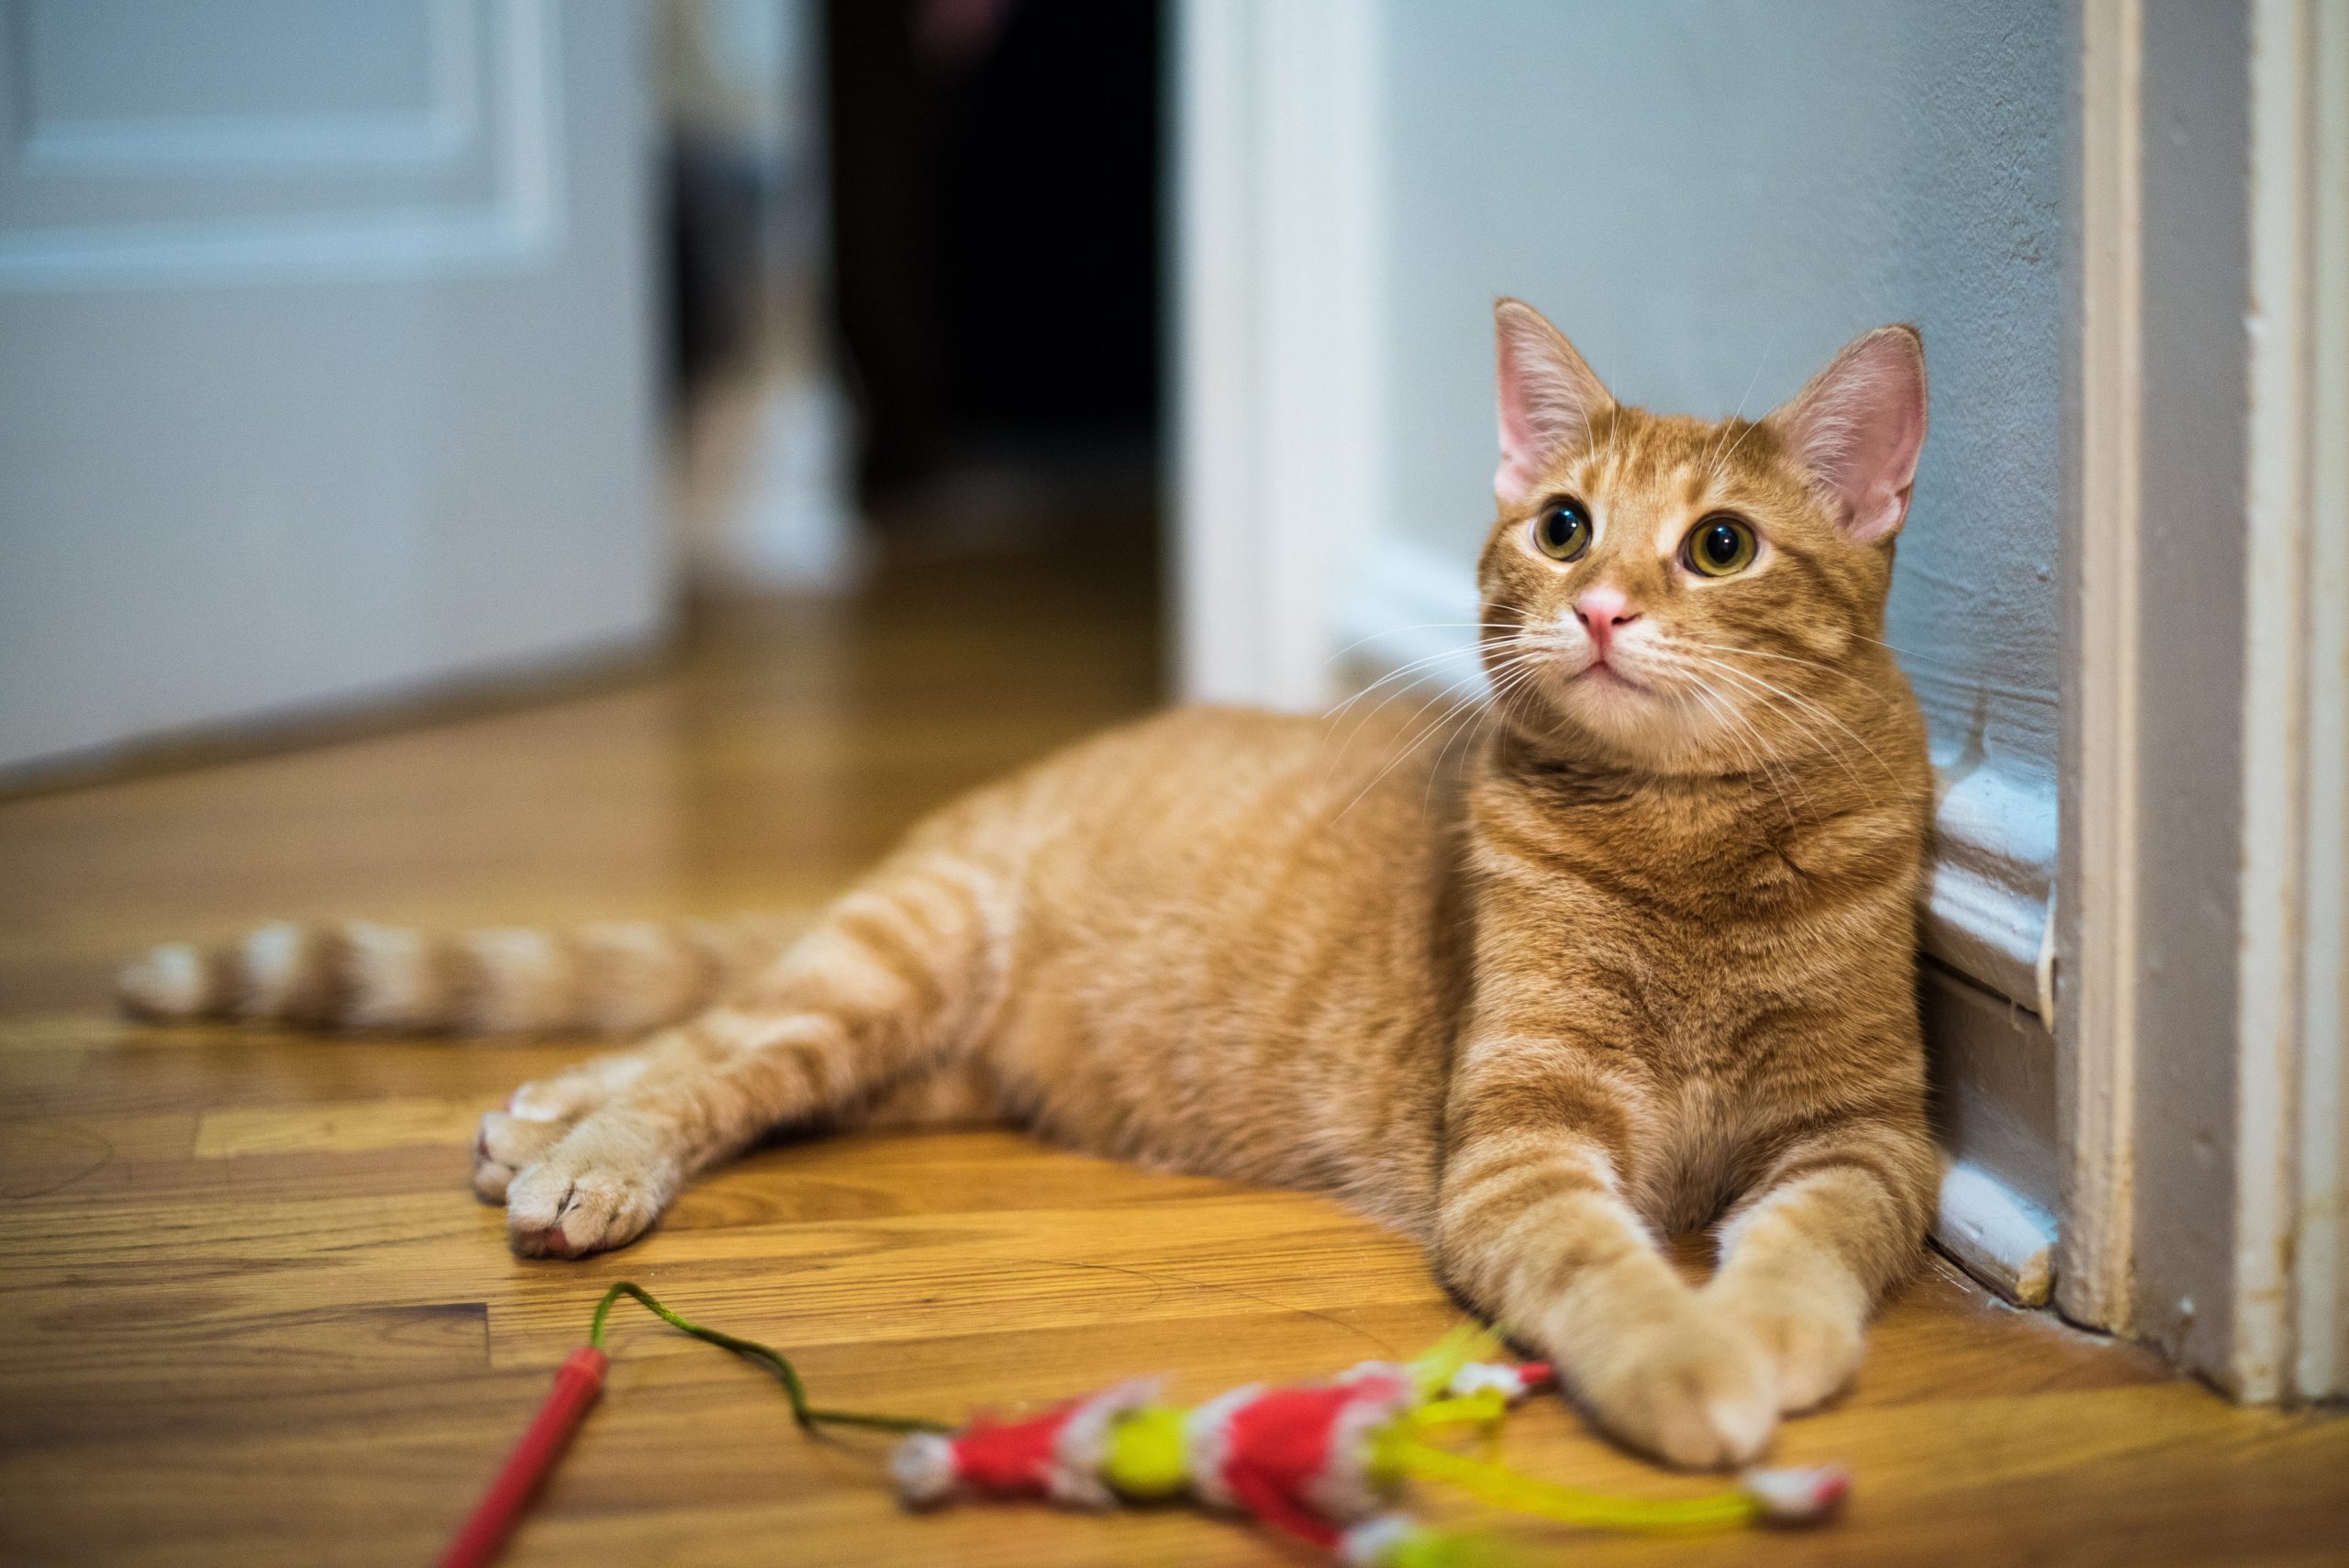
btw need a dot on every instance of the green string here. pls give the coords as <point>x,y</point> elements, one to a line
<point>809,1417</point>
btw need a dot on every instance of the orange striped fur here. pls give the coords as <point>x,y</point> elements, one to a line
<point>1629,951</point>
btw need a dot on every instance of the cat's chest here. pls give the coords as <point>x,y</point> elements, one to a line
<point>1685,983</point>
<point>1694,938</point>
<point>1679,998</point>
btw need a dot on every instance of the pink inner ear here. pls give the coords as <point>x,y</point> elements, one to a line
<point>1518,472</point>
<point>1549,398</point>
<point>1859,426</point>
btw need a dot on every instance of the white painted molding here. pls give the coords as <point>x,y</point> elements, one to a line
<point>2096,1029</point>
<point>1994,875</point>
<point>1995,829</point>
<point>2288,1305</point>
<point>2321,1367</point>
<point>2002,1238</point>
<point>1276,150</point>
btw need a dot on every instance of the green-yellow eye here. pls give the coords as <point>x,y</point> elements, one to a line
<point>1720,546</point>
<point>1563,532</point>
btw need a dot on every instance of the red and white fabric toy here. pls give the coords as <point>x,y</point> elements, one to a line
<point>1320,1461</point>
<point>1061,1454</point>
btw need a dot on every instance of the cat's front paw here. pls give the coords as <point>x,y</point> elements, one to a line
<point>1814,1346</point>
<point>1692,1388</point>
<point>600,1186</point>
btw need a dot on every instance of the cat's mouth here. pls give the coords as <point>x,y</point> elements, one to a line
<point>1598,674</point>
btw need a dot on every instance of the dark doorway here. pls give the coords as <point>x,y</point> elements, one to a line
<point>996,194</point>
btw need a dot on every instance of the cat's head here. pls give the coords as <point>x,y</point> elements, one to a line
<point>1691,596</point>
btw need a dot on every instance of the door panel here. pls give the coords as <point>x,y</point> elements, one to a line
<point>324,359</point>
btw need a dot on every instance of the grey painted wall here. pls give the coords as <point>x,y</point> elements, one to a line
<point>1710,195</point>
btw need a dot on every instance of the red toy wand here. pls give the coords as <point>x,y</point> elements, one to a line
<point>542,1442</point>
<point>485,1531</point>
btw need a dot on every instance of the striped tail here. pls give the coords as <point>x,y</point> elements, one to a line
<point>615,979</point>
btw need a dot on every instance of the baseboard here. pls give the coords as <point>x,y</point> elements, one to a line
<point>1996,1235</point>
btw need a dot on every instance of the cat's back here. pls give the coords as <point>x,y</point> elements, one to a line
<point>1213,800</point>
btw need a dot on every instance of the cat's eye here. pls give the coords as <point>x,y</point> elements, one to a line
<point>1563,532</point>
<point>1720,546</point>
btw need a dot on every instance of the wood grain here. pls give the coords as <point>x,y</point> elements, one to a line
<point>253,1316</point>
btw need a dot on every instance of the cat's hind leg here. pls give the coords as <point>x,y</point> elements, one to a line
<point>893,980</point>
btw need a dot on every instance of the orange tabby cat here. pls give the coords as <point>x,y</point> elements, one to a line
<point>1644,963</point>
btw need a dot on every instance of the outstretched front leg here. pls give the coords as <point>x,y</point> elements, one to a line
<point>893,980</point>
<point>1836,1219</point>
<point>1535,1229</point>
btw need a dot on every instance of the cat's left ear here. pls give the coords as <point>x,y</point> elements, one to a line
<point>1857,427</point>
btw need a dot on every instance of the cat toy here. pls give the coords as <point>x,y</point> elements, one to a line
<point>1324,1463</point>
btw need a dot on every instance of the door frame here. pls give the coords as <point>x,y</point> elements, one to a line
<point>2207,1171</point>
<point>1276,225</point>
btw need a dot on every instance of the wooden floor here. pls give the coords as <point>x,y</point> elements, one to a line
<point>249,1313</point>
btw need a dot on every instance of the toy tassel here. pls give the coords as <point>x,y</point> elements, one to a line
<point>1506,1488</point>
<point>1797,1494</point>
<point>485,1531</point>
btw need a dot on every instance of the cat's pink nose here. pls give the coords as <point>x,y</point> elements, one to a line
<point>1601,610</point>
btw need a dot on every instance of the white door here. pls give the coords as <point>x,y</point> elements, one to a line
<point>325,366</point>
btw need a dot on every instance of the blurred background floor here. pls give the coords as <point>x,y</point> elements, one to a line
<point>253,1316</point>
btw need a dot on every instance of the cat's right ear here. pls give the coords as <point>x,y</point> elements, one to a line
<point>1549,398</point>
<point>1857,427</point>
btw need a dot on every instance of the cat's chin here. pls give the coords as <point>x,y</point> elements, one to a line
<point>1612,718</point>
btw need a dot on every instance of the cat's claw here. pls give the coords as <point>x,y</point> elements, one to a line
<point>590,1215</point>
